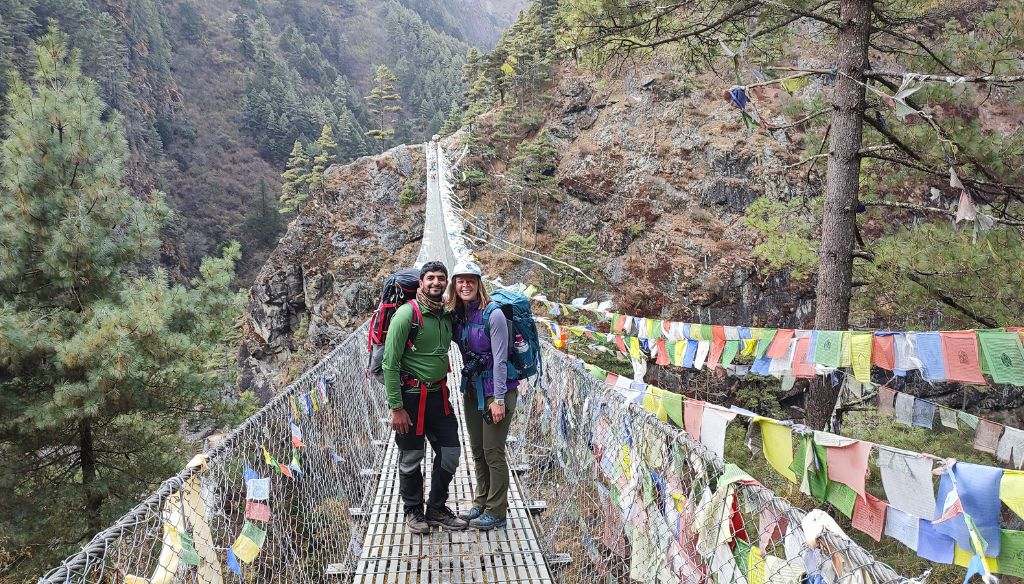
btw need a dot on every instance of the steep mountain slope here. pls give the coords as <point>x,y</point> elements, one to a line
<point>214,94</point>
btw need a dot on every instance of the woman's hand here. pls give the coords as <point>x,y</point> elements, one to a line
<point>497,411</point>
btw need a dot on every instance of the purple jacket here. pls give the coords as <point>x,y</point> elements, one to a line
<point>471,335</point>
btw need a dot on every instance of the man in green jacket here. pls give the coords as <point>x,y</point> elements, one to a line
<point>415,378</point>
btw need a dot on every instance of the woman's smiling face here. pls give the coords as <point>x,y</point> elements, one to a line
<point>467,287</point>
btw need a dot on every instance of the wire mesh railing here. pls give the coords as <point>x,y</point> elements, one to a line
<point>269,503</point>
<point>631,498</point>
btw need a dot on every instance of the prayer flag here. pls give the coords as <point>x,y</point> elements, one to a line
<point>828,348</point>
<point>975,486</point>
<point>869,516</point>
<point>1004,355</point>
<point>693,415</point>
<point>233,562</point>
<point>860,355</point>
<point>780,343</point>
<point>886,399</point>
<point>296,435</point>
<point>247,474</point>
<point>960,357</point>
<point>1011,555</point>
<point>663,358</point>
<point>933,545</point>
<point>189,555</point>
<point>777,443</point>
<point>849,464</point>
<point>763,341</point>
<point>732,348</point>
<point>986,437</point>
<point>254,533</point>
<point>929,351</point>
<point>902,527</point>
<point>883,351</point>
<point>907,480</point>
<point>257,489</point>
<point>802,367</point>
<point>257,511</point>
<point>1011,491</point>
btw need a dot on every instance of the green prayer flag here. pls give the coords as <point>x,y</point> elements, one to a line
<point>767,335</point>
<point>706,334</point>
<point>654,329</point>
<point>841,497</point>
<point>742,555</point>
<point>969,419</point>
<point>1011,553</point>
<point>792,85</point>
<point>817,474</point>
<point>731,474</point>
<point>673,403</point>
<point>1004,355</point>
<point>647,488</point>
<point>189,555</point>
<point>828,349</point>
<point>257,535</point>
<point>729,353</point>
<point>799,458</point>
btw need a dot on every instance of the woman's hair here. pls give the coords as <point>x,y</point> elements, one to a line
<point>453,302</point>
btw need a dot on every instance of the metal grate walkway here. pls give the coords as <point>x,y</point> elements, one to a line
<point>391,554</point>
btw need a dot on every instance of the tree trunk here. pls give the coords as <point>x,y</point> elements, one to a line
<point>87,456</point>
<point>838,222</point>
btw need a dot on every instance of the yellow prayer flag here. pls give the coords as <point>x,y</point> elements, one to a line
<point>756,572</point>
<point>634,347</point>
<point>245,549</point>
<point>962,558</point>
<point>1011,491</point>
<point>626,467</point>
<point>846,356</point>
<point>860,356</point>
<point>777,441</point>
<point>651,400</point>
<point>680,349</point>
<point>749,346</point>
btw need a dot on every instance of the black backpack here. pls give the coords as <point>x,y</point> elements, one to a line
<point>399,288</point>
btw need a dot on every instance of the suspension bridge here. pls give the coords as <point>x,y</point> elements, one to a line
<point>306,491</point>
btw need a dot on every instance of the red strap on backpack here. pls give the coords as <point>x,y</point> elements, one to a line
<point>421,414</point>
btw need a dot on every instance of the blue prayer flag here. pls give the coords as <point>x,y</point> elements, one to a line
<point>233,562</point>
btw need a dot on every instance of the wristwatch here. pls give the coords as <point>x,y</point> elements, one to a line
<point>500,401</point>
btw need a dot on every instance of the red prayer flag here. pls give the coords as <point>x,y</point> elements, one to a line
<point>883,351</point>
<point>869,516</point>
<point>285,470</point>
<point>621,344</point>
<point>693,415</point>
<point>663,359</point>
<point>801,367</point>
<point>780,344</point>
<point>886,400</point>
<point>849,464</point>
<point>960,356</point>
<point>738,530</point>
<point>257,511</point>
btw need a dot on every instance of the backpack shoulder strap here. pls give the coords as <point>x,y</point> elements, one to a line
<point>417,322</point>
<point>491,307</point>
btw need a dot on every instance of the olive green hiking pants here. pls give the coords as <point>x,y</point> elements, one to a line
<point>488,444</point>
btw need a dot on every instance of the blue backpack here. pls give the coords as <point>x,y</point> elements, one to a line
<point>523,344</point>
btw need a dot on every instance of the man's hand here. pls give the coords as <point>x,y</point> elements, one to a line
<point>497,412</point>
<point>400,421</point>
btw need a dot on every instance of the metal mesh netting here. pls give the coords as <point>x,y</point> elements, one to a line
<point>309,525</point>
<point>630,498</point>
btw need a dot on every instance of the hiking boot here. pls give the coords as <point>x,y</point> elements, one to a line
<point>445,518</point>
<point>487,522</point>
<point>416,522</point>
<point>472,514</point>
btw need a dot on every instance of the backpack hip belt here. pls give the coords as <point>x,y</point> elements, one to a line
<point>411,382</point>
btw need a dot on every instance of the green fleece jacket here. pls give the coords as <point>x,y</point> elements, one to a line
<point>428,363</point>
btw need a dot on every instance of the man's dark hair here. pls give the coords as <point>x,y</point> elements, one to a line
<point>433,267</point>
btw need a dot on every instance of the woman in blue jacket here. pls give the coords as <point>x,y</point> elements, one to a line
<point>488,398</point>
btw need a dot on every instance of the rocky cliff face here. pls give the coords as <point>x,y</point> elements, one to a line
<point>661,170</point>
<point>324,278</point>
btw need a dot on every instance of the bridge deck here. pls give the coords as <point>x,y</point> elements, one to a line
<point>391,554</point>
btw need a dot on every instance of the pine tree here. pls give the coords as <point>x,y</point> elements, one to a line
<point>243,32</point>
<point>383,101</point>
<point>100,368</point>
<point>325,155</point>
<point>296,178</point>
